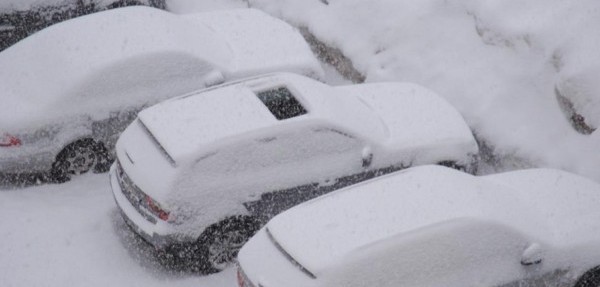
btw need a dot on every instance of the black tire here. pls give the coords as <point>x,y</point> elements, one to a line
<point>590,278</point>
<point>452,164</point>
<point>219,244</point>
<point>103,158</point>
<point>78,158</point>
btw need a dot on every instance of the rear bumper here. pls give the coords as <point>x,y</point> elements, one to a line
<point>137,222</point>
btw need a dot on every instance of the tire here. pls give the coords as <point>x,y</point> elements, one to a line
<point>452,164</point>
<point>79,158</point>
<point>590,279</point>
<point>218,246</point>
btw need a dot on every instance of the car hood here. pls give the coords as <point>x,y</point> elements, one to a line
<point>415,116</point>
<point>186,125</point>
<point>318,234</point>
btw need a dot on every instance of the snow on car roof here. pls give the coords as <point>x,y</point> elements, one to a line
<point>401,202</point>
<point>48,66</point>
<point>185,126</point>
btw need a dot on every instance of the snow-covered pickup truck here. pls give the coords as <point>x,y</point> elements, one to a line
<point>69,90</point>
<point>201,172</point>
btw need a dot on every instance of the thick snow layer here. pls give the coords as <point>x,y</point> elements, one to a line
<point>72,235</point>
<point>191,6</point>
<point>498,62</point>
<point>107,61</point>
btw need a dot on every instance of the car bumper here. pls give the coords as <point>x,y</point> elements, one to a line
<point>26,159</point>
<point>137,222</point>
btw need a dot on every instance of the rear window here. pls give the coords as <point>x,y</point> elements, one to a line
<point>282,104</point>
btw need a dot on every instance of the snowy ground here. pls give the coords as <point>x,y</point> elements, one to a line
<point>72,235</point>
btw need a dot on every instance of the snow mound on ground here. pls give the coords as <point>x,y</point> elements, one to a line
<point>497,61</point>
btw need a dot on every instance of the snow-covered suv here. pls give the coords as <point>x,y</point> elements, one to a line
<point>206,169</point>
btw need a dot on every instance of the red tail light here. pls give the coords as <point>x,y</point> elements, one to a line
<point>8,140</point>
<point>240,278</point>
<point>155,208</point>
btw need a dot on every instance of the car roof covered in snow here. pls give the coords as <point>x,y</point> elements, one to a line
<point>63,67</point>
<point>188,125</point>
<point>550,205</point>
<point>42,69</point>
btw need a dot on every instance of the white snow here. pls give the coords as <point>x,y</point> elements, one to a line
<point>191,6</point>
<point>73,235</point>
<point>496,61</point>
<point>107,61</point>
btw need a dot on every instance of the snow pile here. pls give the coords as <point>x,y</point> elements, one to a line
<point>498,62</point>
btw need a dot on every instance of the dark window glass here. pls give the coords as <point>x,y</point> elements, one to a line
<point>281,103</point>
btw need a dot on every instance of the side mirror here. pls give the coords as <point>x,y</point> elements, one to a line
<point>367,157</point>
<point>213,78</point>
<point>532,255</point>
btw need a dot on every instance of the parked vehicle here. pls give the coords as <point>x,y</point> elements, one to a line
<point>69,90</point>
<point>21,18</point>
<point>207,169</point>
<point>434,226</point>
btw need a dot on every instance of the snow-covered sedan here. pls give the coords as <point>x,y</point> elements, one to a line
<point>434,226</point>
<point>206,169</point>
<point>69,90</point>
<point>21,18</point>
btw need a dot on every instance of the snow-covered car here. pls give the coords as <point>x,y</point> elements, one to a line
<point>207,169</point>
<point>21,18</point>
<point>69,90</point>
<point>434,226</point>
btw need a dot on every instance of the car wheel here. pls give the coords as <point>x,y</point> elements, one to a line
<point>221,242</point>
<point>452,164</point>
<point>77,158</point>
<point>590,278</point>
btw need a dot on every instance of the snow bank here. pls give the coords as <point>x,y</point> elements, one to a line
<point>498,62</point>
